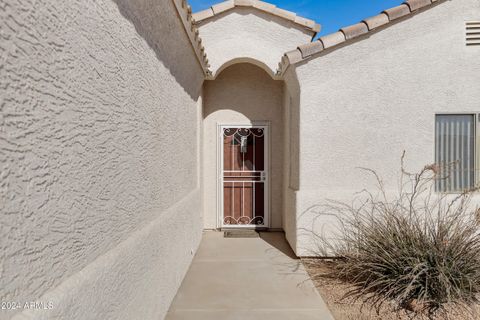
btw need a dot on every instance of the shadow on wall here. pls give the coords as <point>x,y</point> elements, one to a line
<point>157,22</point>
<point>244,88</point>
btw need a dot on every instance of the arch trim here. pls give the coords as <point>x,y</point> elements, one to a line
<point>273,74</point>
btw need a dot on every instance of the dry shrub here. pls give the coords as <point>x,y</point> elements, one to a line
<point>419,249</point>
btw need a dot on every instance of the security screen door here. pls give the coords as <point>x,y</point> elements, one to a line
<point>244,176</point>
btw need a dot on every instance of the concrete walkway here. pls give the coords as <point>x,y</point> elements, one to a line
<point>247,279</point>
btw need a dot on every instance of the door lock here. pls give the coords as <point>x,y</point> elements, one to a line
<point>263,176</point>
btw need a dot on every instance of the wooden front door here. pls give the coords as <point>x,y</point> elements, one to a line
<point>244,176</point>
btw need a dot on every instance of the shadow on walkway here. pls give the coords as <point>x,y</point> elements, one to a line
<point>247,279</point>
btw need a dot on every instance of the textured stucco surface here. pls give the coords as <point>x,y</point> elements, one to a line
<point>363,104</point>
<point>242,94</point>
<point>99,131</point>
<point>249,33</point>
<point>291,102</point>
<point>138,278</point>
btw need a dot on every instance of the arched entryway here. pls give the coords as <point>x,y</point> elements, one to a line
<point>243,145</point>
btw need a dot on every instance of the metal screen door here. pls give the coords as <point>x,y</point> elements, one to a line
<point>244,176</point>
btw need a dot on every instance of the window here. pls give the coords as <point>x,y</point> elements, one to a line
<point>455,152</point>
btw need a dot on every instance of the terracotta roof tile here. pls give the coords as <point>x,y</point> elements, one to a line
<point>355,30</point>
<point>397,12</point>
<point>293,56</point>
<point>306,51</point>
<point>308,24</point>
<point>311,48</point>
<point>285,14</point>
<point>417,4</point>
<point>332,39</point>
<point>217,9</point>
<point>205,14</point>
<point>264,6</point>
<point>377,21</point>
<point>244,3</point>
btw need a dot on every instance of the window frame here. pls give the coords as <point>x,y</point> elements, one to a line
<point>476,144</point>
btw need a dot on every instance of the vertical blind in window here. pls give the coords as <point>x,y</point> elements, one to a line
<point>454,152</point>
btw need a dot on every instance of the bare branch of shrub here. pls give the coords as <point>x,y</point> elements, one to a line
<point>418,248</point>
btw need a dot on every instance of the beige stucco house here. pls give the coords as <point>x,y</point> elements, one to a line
<point>129,126</point>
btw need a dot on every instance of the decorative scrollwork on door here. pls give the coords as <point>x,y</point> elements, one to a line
<point>244,176</point>
<point>244,220</point>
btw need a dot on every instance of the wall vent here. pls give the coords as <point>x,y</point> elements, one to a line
<point>472,33</point>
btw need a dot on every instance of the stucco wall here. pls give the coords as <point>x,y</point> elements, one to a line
<point>363,104</point>
<point>241,94</point>
<point>249,33</point>
<point>291,96</point>
<point>99,131</point>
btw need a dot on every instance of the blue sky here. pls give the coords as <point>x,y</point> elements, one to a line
<point>331,14</point>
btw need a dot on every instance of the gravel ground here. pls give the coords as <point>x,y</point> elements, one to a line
<point>333,291</point>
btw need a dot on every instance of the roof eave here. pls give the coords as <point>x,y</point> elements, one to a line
<point>348,34</point>
<point>308,24</point>
<point>185,13</point>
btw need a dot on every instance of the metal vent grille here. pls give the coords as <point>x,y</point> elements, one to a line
<point>472,33</point>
